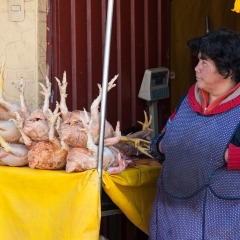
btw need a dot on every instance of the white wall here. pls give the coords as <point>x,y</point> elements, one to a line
<point>23,50</point>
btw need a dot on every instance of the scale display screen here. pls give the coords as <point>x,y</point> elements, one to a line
<point>159,78</point>
<point>155,84</point>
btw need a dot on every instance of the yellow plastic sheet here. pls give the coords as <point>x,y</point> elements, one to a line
<point>133,191</point>
<point>48,205</point>
<point>55,205</point>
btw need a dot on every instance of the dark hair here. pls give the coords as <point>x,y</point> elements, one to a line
<point>222,46</point>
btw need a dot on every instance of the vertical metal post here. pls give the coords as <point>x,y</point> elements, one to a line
<point>104,89</point>
<point>153,111</point>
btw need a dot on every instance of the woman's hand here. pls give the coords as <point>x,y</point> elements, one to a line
<point>160,147</point>
<point>226,155</point>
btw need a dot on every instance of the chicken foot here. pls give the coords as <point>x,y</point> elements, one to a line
<point>64,145</point>
<point>4,145</point>
<point>140,144</point>
<point>46,92</point>
<point>95,114</point>
<point>146,123</point>
<point>145,133</point>
<point>20,89</point>
<point>138,139</point>
<point>62,89</point>
<point>19,124</point>
<point>54,122</point>
<point>52,119</point>
<point>95,104</point>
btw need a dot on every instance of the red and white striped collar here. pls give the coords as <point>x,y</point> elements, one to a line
<point>198,99</point>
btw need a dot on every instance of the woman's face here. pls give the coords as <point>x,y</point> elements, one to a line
<point>208,77</point>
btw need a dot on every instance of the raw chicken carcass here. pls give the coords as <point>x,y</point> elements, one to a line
<point>71,129</point>
<point>81,159</point>
<point>36,125</point>
<point>72,132</point>
<point>7,109</point>
<point>14,154</point>
<point>37,131</point>
<point>8,130</point>
<point>49,154</point>
<point>84,138</point>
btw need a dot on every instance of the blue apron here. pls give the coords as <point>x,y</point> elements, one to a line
<point>197,198</point>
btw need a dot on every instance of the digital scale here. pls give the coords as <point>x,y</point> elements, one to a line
<point>154,87</point>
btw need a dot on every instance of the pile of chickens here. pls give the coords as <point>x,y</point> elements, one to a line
<point>60,139</point>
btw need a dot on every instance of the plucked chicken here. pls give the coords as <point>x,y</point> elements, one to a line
<point>12,153</point>
<point>45,154</point>
<point>36,125</point>
<point>71,129</point>
<point>8,130</point>
<point>38,133</point>
<point>81,159</point>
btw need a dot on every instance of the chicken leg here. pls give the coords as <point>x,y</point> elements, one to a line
<point>134,140</point>
<point>62,89</point>
<point>95,114</point>
<point>46,91</point>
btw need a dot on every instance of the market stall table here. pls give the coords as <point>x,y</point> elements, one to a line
<point>47,204</point>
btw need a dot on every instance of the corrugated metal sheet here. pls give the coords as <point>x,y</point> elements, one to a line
<point>140,40</point>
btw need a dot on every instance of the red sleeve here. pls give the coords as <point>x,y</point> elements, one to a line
<point>233,158</point>
<point>173,114</point>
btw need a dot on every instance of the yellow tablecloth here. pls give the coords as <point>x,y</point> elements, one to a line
<point>46,204</point>
<point>133,191</point>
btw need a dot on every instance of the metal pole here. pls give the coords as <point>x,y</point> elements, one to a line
<point>153,111</point>
<point>104,89</point>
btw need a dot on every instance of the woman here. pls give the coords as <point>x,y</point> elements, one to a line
<point>198,195</point>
